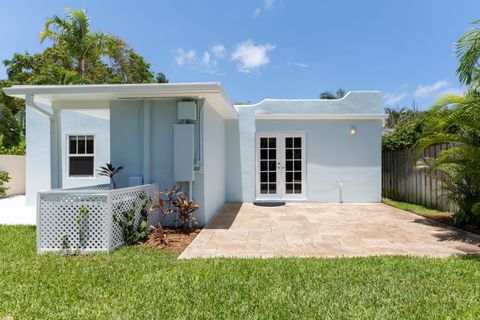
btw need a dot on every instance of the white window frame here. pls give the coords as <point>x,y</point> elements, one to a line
<point>281,194</point>
<point>68,155</point>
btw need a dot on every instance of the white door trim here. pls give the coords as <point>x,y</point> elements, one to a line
<point>280,158</point>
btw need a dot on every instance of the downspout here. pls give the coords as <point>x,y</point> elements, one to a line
<point>55,150</point>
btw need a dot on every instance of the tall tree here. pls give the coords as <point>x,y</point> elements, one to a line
<point>73,33</point>
<point>459,166</point>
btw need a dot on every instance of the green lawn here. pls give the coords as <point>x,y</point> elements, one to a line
<point>142,283</point>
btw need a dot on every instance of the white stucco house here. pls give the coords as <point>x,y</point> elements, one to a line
<point>192,135</point>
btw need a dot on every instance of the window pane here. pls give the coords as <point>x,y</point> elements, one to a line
<point>263,177</point>
<point>288,142</point>
<point>73,144</point>
<point>288,153</point>
<point>272,177</point>
<point>289,176</point>
<point>272,142</point>
<point>264,188</point>
<point>297,142</point>
<point>289,188</point>
<point>263,165</point>
<point>298,188</point>
<point>81,166</point>
<point>264,154</point>
<point>289,165</point>
<point>298,165</point>
<point>272,154</point>
<point>298,176</point>
<point>81,145</point>
<point>272,165</point>
<point>90,144</point>
<point>263,142</point>
<point>297,154</point>
<point>272,188</point>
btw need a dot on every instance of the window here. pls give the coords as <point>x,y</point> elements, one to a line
<point>80,156</point>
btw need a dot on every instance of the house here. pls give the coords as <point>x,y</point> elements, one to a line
<point>192,135</point>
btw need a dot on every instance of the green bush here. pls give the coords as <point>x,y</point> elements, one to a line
<point>4,177</point>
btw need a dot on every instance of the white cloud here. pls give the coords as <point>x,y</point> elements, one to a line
<point>298,64</point>
<point>425,91</point>
<point>268,5</point>
<point>207,62</point>
<point>250,57</point>
<point>183,57</point>
<point>219,50</point>
<point>391,98</point>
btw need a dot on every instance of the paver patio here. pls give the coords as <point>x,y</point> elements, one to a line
<point>326,230</point>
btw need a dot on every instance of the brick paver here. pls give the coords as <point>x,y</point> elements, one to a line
<point>326,230</point>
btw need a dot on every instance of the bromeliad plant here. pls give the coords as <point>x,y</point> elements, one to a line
<point>109,171</point>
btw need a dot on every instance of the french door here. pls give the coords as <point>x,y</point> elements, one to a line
<point>280,166</point>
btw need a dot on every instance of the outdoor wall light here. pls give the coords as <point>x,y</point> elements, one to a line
<point>353,131</point>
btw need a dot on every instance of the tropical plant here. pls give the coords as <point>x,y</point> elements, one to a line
<point>175,202</point>
<point>4,178</point>
<point>73,33</point>
<point>134,231</point>
<point>330,95</point>
<point>109,171</point>
<point>458,167</point>
<point>468,55</point>
<point>185,209</point>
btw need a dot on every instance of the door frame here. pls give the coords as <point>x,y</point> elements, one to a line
<point>281,194</point>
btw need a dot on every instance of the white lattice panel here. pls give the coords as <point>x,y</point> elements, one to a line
<point>125,199</point>
<point>58,215</point>
<point>58,212</point>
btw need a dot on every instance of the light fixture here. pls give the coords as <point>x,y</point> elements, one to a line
<point>353,131</point>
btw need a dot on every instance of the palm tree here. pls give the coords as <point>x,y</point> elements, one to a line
<point>468,54</point>
<point>73,32</point>
<point>329,95</point>
<point>458,167</point>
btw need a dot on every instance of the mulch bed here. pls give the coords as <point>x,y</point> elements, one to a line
<point>176,241</point>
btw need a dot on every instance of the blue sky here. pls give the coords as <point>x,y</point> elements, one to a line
<point>276,48</point>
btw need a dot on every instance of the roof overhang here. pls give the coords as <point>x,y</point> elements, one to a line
<point>213,92</point>
<point>269,116</point>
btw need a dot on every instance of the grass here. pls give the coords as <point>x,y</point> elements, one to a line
<point>415,208</point>
<point>143,283</point>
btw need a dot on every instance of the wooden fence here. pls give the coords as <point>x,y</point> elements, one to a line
<point>401,181</point>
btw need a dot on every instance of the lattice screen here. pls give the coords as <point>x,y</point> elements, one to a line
<point>125,199</point>
<point>58,212</point>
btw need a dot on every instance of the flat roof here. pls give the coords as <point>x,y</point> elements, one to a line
<point>211,91</point>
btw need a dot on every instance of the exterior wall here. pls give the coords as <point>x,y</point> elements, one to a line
<point>214,142</point>
<point>38,154</point>
<point>93,121</point>
<point>128,130</point>
<point>334,156</point>
<point>15,166</point>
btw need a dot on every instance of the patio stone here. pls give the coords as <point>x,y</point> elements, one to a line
<point>326,230</point>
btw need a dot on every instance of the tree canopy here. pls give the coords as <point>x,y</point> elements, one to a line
<point>76,55</point>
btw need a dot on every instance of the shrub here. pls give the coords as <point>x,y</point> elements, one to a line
<point>135,232</point>
<point>4,177</point>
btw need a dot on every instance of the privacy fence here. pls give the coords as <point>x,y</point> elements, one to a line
<point>401,181</point>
